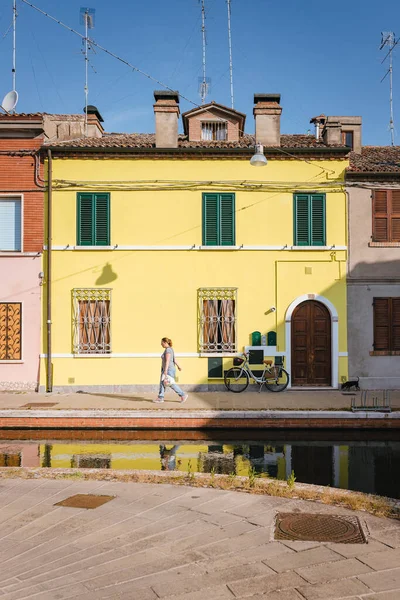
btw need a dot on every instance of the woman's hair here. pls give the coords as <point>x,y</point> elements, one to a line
<point>167,341</point>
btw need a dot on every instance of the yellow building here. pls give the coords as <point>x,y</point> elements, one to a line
<point>178,235</point>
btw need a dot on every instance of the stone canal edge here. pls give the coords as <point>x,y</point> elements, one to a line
<point>196,419</point>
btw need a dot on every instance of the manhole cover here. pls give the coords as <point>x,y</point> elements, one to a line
<point>85,501</point>
<point>39,404</point>
<point>319,528</point>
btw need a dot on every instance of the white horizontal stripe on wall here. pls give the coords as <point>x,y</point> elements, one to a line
<point>194,247</point>
<point>121,355</point>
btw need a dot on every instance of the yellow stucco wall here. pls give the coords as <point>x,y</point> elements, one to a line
<point>154,292</point>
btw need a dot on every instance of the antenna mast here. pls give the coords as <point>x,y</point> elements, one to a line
<point>388,39</point>
<point>204,84</point>
<point>14,44</point>
<point>228,2</point>
<point>87,17</point>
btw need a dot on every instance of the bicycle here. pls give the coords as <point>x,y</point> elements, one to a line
<point>274,377</point>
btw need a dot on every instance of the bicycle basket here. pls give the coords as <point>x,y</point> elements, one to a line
<point>237,361</point>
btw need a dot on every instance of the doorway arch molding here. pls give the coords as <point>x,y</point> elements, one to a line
<point>334,332</point>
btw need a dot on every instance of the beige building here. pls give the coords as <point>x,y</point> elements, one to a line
<point>373,280</point>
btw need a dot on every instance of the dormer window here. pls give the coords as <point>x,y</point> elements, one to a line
<point>213,131</point>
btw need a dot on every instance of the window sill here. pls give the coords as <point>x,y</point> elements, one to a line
<point>76,355</point>
<point>384,244</point>
<point>220,354</point>
<point>384,353</point>
<point>12,362</point>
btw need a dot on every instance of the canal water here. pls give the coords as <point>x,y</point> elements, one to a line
<point>363,461</point>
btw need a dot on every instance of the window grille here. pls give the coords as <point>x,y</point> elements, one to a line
<point>212,131</point>
<point>92,321</point>
<point>217,319</point>
<point>10,331</point>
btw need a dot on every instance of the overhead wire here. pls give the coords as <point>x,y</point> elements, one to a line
<point>7,32</point>
<point>165,86</point>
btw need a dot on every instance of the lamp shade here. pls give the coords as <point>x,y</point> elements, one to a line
<point>258,159</point>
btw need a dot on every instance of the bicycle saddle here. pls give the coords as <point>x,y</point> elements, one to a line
<point>267,361</point>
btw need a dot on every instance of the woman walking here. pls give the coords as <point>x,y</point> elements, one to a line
<point>168,364</point>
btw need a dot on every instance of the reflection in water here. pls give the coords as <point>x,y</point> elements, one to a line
<point>366,465</point>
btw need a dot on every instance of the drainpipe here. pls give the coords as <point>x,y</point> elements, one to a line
<point>49,369</point>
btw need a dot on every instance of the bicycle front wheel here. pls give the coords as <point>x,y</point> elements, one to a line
<point>236,380</point>
<point>277,380</point>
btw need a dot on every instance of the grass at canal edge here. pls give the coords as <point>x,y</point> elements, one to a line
<point>375,505</point>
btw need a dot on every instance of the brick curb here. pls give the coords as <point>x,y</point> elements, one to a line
<point>186,419</point>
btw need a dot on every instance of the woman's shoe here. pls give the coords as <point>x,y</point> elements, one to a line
<point>158,400</point>
<point>183,398</point>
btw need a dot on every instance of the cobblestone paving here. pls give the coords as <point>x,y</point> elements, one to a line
<point>179,543</point>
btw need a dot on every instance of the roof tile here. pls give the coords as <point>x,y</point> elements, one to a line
<point>376,159</point>
<point>147,140</point>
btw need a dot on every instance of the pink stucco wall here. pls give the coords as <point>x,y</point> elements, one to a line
<point>20,282</point>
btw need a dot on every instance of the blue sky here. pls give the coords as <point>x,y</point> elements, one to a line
<point>321,58</point>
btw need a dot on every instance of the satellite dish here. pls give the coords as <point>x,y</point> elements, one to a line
<point>10,101</point>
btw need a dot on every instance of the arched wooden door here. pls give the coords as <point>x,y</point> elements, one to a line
<point>311,345</point>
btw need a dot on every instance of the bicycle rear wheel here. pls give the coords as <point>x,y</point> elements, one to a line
<point>277,380</point>
<point>236,380</point>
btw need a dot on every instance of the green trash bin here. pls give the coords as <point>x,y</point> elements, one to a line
<point>256,338</point>
<point>271,338</point>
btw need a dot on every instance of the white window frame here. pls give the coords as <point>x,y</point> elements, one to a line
<point>19,197</point>
<point>216,321</point>
<point>89,295</point>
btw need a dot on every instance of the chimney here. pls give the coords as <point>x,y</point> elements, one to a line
<point>166,112</point>
<point>95,120</point>
<point>267,114</point>
<point>332,132</point>
<point>319,123</point>
<point>343,131</point>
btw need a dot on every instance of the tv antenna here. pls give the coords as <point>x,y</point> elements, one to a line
<point>205,83</point>
<point>87,19</point>
<point>10,100</point>
<point>228,2</point>
<point>388,39</point>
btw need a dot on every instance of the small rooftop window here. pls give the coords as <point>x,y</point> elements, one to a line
<point>214,131</point>
<point>348,138</point>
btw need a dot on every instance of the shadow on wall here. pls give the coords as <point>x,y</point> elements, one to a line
<point>107,275</point>
<point>367,281</point>
<point>378,269</point>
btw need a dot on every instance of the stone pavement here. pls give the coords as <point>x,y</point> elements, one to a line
<point>222,400</point>
<point>179,543</point>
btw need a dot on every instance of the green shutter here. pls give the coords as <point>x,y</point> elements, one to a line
<point>93,223</point>
<point>102,220</point>
<point>317,220</point>
<point>302,217</point>
<point>309,220</point>
<point>218,219</point>
<point>85,220</point>
<point>210,219</point>
<point>227,220</point>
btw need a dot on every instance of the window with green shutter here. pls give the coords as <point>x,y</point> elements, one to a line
<point>93,222</point>
<point>309,220</point>
<point>218,219</point>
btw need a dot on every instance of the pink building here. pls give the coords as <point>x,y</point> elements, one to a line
<point>21,247</point>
